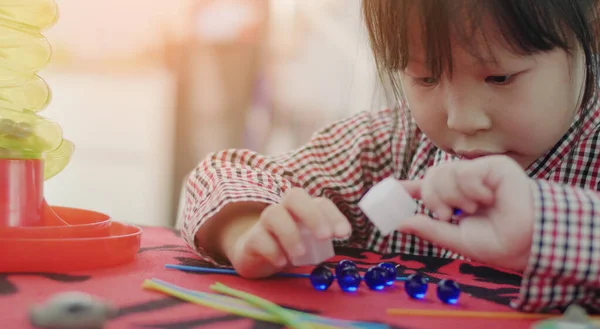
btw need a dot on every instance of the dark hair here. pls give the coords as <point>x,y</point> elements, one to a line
<point>527,26</point>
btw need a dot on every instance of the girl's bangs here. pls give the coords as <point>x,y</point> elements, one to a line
<point>525,27</point>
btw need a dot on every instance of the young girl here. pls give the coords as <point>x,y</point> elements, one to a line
<point>497,116</point>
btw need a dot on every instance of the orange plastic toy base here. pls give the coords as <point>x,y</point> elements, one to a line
<point>55,239</point>
<point>62,223</point>
<point>88,240</point>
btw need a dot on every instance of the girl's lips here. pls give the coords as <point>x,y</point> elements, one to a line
<point>469,155</point>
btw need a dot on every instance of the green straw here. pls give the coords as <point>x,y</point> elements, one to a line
<point>244,308</point>
<point>286,317</point>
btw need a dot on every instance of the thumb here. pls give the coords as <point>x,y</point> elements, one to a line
<point>440,233</point>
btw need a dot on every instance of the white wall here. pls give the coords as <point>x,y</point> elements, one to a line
<point>122,127</point>
<point>332,69</point>
<point>328,74</point>
<point>116,28</point>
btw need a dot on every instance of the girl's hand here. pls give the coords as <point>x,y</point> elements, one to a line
<point>495,196</point>
<point>267,246</point>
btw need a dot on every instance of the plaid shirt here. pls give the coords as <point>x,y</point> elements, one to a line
<point>342,161</point>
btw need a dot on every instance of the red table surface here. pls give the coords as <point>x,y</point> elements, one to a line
<point>484,289</point>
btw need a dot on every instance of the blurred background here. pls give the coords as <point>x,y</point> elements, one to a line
<point>146,89</point>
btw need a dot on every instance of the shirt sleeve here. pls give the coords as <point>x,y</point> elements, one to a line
<point>340,162</point>
<point>564,266</point>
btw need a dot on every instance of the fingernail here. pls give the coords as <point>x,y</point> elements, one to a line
<point>299,250</point>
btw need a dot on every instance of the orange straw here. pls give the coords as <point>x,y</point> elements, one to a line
<point>475,314</point>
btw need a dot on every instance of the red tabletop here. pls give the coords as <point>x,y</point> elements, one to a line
<point>484,289</point>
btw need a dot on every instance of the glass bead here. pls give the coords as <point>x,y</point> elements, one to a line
<point>321,278</point>
<point>391,273</point>
<point>344,264</point>
<point>416,285</point>
<point>349,280</point>
<point>448,291</point>
<point>376,278</point>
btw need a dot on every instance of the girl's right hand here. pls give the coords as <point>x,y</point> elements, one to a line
<point>266,247</point>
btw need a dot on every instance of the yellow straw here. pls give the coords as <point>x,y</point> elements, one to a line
<point>260,315</point>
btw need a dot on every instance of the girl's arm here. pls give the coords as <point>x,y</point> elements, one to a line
<point>340,162</point>
<point>564,267</point>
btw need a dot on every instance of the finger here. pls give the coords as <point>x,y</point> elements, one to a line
<point>452,195</point>
<point>475,190</point>
<point>443,194</point>
<point>298,203</point>
<point>276,220</point>
<point>432,199</point>
<point>413,187</point>
<point>471,182</point>
<point>262,244</point>
<point>443,234</point>
<point>339,223</point>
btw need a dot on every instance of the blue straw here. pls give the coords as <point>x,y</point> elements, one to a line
<point>227,271</point>
<point>233,272</point>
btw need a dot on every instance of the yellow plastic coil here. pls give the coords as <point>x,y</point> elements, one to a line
<point>24,134</point>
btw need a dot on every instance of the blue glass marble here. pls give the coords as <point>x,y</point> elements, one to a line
<point>390,272</point>
<point>344,264</point>
<point>376,278</point>
<point>321,278</point>
<point>416,285</point>
<point>448,291</point>
<point>349,280</point>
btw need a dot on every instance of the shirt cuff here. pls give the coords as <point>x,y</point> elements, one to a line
<point>564,262</point>
<point>197,213</point>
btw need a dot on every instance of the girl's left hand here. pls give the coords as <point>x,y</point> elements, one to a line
<point>495,196</point>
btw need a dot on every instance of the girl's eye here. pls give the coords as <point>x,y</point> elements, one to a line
<point>426,81</point>
<point>499,79</point>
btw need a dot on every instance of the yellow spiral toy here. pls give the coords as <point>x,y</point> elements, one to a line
<point>24,134</point>
<point>35,236</point>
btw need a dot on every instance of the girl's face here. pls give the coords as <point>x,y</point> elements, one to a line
<point>518,106</point>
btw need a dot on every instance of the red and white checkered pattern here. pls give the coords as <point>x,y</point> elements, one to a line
<point>345,159</point>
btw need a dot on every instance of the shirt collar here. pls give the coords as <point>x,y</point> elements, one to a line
<point>547,163</point>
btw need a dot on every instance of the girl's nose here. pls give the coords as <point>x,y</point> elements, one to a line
<point>467,116</point>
